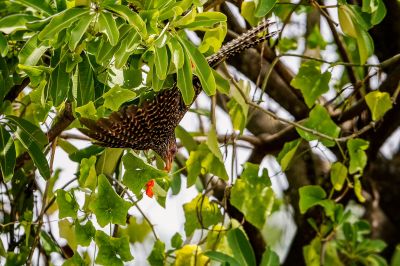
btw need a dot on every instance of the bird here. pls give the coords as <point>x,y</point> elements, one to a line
<point>151,124</point>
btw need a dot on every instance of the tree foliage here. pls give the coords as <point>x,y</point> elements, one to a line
<point>320,122</point>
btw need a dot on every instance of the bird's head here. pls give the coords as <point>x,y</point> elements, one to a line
<point>167,150</point>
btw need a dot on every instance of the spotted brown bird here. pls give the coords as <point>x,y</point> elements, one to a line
<point>152,124</point>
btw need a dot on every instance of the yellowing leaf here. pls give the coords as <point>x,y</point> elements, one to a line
<point>378,103</point>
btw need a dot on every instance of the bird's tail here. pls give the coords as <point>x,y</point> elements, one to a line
<point>247,40</point>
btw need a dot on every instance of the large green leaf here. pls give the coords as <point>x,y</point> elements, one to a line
<point>7,154</point>
<point>15,22</point>
<point>200,213</point>
<point>138,173</point>
<point>34,132</point>
<point>378,103</point>
<point>203,160</point>
<point>108,206</point>
<point>314,195</point>
<point>128,45</point>
<point>201,67</point>
<point>311,82</point>
<point>68,207</point>
<point>108,26</point>
<point>32,51</point>
<point>264,6</point>
<point>258,193</point>
<point>161,62</point>
<point>131,17</point>
<point>185,84</point>
<point>84,234</point>
<point>39,5</point>
<point>177,55</point>
<point>321,122</point>
<point>206,19</point>
<point>222,257</point>
<point>116,96</point>
<point>358,157</point>
<point>112,251</point>
<point>3,46</point>
<point>157,255</point>
<point>61,21</point>
<point>285,156</point>
<point>85,84</point>
<point>60,80</point>
<point>79,30</point>
<point>241,248</point>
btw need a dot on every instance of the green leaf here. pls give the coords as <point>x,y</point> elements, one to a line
<point>85,153</point>
<point>68,207</point>
<point>358,157</point>
<point>138,173</point>
<point>128,45</point>
<point>75,260</point>
<point>212,143</point>
<point>238,108</point>
<point>379,14</point>
<point>269,258</point>
<point>321,122</point>
<point>311,82</point>
<point>347,21</point>
<point>338,175</point>
<point>365,45</point>
<point>108,206</point>
<point>157,255</point>
<point>133,18</point>
<point>200,213</point>
<point>258,193</point>
<point>221,257</point>
<point>85,86</point>
<point>378,103</point>
<point>41,6</point>
<point>358,188</point>
<point>108,161</point>
<point>248,10</point>
<point>61,21</point>
<point>3,46</point>
<point>176,241</point>
<point>222,84</point>
<point>396,256</point>
<point>60,80</point>
<point>132,77</point>
<point>7,154</point>
<point>285,156</point>
<point>203,160</point>
<point>108,26</point>
<point>79,30</point>
<point>34,132</point>
<point>206,19</point>
<point>84,234</point>
<point>15,22</point>
<point>161,62</point>
<point>116,96</point>
<point>48,243</point>
<point>112,251</point>
<point>314,195</point>
<point>66,231</point>
<point>241,248</point>
<point>88,110</point>
<point>264,7</point>
<point>177,55</point>
<point>137,232</point>
<point>32,138</point>
<point>32,51</point>
<point>202,69</point>
<point>185,85</point>
<point>186,139</point>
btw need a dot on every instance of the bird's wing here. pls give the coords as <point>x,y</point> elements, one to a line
<point>137,127</point>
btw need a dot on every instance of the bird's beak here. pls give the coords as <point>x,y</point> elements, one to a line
<point>168,164</point>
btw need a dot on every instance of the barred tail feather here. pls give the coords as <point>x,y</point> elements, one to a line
<point>247,40</point>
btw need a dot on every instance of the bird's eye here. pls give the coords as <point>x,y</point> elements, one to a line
<point>173,150</point>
